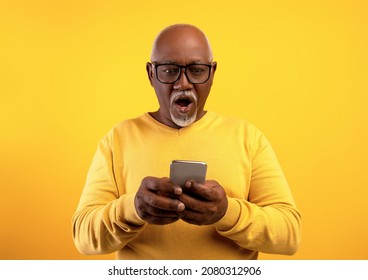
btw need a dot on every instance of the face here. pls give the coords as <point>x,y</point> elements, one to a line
<point>182,102</point>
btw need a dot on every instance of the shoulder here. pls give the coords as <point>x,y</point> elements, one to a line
<point>236,128</point>
<point>253,138</point>
<point>124,128</point>
<point>231,122</point>
<point>129,124</point>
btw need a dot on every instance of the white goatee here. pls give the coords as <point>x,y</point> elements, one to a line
<point>183,120</point>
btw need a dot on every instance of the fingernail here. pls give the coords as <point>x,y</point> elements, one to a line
<point>188,184</point>
<point>181,206</point>
<point>178,191</point>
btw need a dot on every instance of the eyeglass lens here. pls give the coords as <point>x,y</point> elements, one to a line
<point>195,73</point>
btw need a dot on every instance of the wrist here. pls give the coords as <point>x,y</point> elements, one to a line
<point>231,216</point>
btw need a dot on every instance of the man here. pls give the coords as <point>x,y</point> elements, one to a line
<point>129,206</point>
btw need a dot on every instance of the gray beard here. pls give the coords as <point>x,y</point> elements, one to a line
<point>184,120</point>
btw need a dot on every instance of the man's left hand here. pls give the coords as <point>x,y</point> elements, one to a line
<point>205,203</point>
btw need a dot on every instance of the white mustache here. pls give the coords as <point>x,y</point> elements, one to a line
<point>180,94</point>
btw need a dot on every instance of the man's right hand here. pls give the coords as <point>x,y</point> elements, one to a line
<point>156,201</point>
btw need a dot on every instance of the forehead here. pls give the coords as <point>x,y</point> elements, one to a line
<point>182,45</point>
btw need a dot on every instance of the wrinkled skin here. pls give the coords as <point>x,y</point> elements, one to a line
<point>159,201</point>
<point>205,203</point>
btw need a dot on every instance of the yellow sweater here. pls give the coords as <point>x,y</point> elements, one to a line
<point>261,214</point>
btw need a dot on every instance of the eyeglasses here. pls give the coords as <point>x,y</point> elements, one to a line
<point>170,73</point>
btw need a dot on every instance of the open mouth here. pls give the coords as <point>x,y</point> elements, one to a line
<point>183,107</point>
<point>183,102</point>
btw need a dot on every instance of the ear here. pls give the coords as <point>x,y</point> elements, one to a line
<point>149,72</point>
<point>213,70</point>
<point>214,67</point>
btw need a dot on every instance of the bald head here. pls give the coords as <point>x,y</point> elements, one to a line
<point>185,46</point>
<point>181,40</point>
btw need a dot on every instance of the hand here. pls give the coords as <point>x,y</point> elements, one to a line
<point>156,201</point>
<point>205,203</point>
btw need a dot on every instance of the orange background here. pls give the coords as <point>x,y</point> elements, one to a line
<point>70,70</point>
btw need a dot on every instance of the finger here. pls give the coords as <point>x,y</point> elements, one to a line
<point>163,202</point>
<point>162,186</point>
<point>156,184</point>
<point>175,192</point>
<point>156,216</point>
<point>193,217</point>
<point>193,203</point>
<point>159,213</point>
<point>171,187</point>
<point>203,190</point>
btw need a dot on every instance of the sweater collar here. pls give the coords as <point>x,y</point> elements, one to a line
<point>197,125</point>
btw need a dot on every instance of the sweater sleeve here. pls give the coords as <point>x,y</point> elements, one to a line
<point>105,221</point>
<point>268,220</point>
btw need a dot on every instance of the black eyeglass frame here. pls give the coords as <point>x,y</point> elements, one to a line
<point>185,71</point>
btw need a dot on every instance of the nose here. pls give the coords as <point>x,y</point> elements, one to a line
<point>183,83</point>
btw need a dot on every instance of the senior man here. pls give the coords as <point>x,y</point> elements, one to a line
<point>131,207</point>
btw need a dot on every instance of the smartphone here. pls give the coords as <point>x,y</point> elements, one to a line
<point>183,170</point>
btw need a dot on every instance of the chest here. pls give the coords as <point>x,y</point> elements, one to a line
<point>227,159</point>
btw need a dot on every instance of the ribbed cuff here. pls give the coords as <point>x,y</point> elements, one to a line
<point>231,216</point>
<point>127,212</point>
